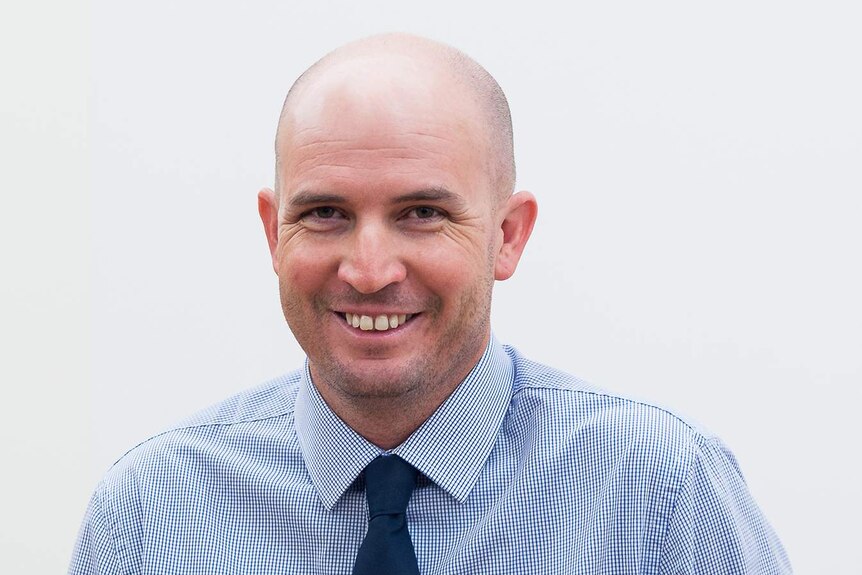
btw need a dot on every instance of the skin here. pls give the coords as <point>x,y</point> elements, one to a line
<point>385,206</point>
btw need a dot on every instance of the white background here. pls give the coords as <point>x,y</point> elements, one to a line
<point>697,167</point>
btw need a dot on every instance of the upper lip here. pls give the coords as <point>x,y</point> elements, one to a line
<point>374,313</point>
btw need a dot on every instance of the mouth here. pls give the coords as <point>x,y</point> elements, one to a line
<point>380,322</point>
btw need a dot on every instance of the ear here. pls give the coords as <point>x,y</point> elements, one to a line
<point>267,206</point>
<point>519,215</point>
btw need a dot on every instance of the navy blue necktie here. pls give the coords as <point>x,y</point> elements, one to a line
<point>387,548</point>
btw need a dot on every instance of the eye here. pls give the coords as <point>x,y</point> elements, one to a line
<point>323,218</point>
<point>323,212</point>
<point>424,213</point>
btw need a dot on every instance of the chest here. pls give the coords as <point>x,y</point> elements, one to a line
<point>512,522</point>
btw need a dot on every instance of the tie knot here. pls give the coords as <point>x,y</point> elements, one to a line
<point>389,481</point>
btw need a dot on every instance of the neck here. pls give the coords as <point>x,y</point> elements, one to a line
<point>385,421</point>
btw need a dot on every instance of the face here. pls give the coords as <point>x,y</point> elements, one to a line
<point>386,234</point>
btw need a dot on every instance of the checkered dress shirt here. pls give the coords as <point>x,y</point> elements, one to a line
<point>523,469</point>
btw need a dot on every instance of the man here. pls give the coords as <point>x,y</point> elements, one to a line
<point>413,442</point>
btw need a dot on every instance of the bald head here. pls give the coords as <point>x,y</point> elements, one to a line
<point>410,67</point>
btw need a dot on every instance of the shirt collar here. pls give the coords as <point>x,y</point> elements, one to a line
<point>450,448</point>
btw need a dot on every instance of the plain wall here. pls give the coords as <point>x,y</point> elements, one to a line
<point>697,168</point>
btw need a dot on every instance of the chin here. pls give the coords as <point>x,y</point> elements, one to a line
<point>370,378</point>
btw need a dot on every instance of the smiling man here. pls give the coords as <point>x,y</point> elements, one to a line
<point>392,216</point>
<point>412,441</point>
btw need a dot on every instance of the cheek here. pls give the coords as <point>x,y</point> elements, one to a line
<point>448,271</point>
<point>440,281</point>
<point>304,268</point>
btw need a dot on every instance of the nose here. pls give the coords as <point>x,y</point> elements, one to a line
<point>372,260</point>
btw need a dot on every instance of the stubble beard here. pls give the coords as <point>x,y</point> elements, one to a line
<point>433,372</point>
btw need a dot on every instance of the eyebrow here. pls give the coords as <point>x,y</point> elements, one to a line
<point>301,199</point>
<point>435,194</point>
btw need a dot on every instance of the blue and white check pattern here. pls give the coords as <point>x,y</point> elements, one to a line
<point>524,469</point>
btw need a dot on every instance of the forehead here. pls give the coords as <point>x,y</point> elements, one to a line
<point>386,114</point>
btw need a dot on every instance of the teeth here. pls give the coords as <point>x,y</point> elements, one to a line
<point>378,323</point>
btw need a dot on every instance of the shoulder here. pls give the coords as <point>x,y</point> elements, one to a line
<point>575,416</point>
<point>274,398</point>
<point>631,451</point>
<point>252,421</point>
<point>176,477</point>
<point>571,397</point>
<point>645,463</point>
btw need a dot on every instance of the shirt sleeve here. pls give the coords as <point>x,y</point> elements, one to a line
<point>95,551</point>
<point>716,527</point>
